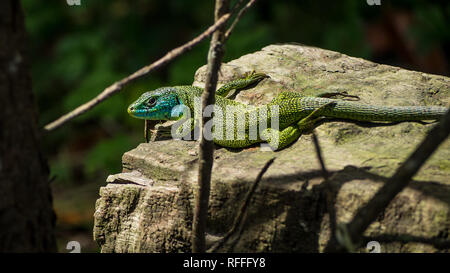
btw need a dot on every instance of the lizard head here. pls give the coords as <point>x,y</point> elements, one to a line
<point>160,104</point>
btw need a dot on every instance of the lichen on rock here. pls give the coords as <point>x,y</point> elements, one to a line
<point>149,207</point>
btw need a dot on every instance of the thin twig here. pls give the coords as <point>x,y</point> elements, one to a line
<point>238,221</point>
<point>351,234</point>
<point>206,149</point>
<point>319,156</point>
<point>329,193</point>
<point>117,86</point>
<point>238,17</point>
<point>236,6</point>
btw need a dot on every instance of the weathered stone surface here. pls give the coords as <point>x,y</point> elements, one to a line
<point>148,208</point>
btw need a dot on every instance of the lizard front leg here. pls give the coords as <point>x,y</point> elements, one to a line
<point>147,132</point>
<point>240,83</point>
<point>184,131</point>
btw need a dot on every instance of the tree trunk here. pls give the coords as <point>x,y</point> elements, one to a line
<point>26,215</point>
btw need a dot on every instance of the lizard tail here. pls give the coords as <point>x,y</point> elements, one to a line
<point>365,112</point>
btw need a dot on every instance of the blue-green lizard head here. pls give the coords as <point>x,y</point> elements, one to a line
<point>160,104</point>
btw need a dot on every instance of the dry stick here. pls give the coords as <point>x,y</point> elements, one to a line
<point>206,149</point>
<point>351,233</point>
<point>319,156</point>
<point>236,6</point>
<point>243,210</point>
<point>238,17</point>
<point>328,188</point>
<point>117,86</point>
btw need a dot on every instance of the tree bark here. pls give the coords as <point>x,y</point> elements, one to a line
<point>27,219</point>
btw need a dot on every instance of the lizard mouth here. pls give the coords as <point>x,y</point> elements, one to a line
<point>138,113</point>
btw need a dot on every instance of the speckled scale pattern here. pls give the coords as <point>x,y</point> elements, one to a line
<point>293,111</point>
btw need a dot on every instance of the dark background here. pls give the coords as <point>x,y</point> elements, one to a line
<point>77,51</point>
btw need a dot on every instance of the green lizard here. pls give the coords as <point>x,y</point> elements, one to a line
<point>296,114</point>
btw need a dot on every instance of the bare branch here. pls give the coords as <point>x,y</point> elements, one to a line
<point>329,192</point>
<point>117,86</point>
<point>206,149</point>
<point>238,17</point>
<point>351,234</point>
<point>319,156</point>
<point>238,221</point>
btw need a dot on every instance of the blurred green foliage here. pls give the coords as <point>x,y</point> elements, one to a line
<point>77,51</point>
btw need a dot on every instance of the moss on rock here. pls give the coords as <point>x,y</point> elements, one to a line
<point>148,208</point>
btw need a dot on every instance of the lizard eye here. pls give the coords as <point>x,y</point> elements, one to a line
<point>151,102</point>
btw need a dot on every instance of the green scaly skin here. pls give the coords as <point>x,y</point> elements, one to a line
<point>297,114</point>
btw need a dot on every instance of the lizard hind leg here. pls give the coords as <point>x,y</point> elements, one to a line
<point>184,131</point>
<point>279,140</point>
<point>307,123</point>
<point>337,94</point>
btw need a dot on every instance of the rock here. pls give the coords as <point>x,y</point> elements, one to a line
<point>149,207</point>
